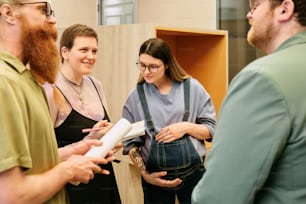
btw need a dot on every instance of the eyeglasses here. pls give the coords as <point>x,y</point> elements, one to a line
<point>254,4</point>
<point>46,9</point>
<point>151,67</point>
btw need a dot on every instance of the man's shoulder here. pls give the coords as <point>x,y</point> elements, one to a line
<point>9,62</point>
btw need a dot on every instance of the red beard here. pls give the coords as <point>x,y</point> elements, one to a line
<point>40,51</point>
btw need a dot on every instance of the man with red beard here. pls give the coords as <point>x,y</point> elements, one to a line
<point>258,151</point>
<point>32,169</point>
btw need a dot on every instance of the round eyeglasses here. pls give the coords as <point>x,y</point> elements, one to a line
<point>151,67</point>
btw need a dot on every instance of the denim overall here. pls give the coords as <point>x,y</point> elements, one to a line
<point>179,158</point>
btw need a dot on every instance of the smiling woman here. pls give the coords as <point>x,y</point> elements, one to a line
<point>77,102</point>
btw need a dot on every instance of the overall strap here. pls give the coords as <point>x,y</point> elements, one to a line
<point>145,107</point>
<point>186,98</point>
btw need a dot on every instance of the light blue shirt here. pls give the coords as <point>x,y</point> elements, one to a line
<point>169,109</point>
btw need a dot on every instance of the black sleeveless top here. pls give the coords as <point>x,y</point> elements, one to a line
<point>103,188</point>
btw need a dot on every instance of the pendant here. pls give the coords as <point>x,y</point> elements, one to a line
<point>81,99</point>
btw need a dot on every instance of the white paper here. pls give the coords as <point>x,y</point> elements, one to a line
<point>111,139</point>
<point>123,130</point>
<point>137,130</point>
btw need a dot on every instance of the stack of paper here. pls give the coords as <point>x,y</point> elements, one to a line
<point>138,129</point>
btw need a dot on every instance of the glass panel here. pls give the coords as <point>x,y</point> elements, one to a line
<point>113,20</point>
<point>232,17</point>
<point>113,12</point>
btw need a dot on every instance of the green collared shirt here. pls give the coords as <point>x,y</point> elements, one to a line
<point>26,135</point>
<point>259,149</point>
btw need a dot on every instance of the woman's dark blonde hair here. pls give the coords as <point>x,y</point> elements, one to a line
<point>159,49</point>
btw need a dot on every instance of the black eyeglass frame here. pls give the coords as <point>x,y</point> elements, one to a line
<point>254,4</point>
<point>48,11</point>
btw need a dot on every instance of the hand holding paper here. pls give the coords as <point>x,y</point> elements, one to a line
<point>121,131</point>
<point>138,129</point>
<point>111,139</point>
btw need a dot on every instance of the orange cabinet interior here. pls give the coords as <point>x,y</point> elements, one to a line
<point>204,55</point>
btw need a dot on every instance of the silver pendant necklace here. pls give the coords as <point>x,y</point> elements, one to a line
<point>77,88</point>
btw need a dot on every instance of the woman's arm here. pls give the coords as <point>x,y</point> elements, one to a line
<point>50,91</point>
<point>177,130</point>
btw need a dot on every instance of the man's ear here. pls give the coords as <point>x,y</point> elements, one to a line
<point>286,10</point>
<point>8,12</point>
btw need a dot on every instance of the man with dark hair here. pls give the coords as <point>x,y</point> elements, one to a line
<point>258,151</point>
<point>32,168</point>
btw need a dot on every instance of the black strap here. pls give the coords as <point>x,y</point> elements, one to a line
<point>64,95</point>
<point>100,98</point>
<point>145,107</point>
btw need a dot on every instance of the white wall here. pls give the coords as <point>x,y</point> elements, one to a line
<point>185,13</point>
<point>68,12</point>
